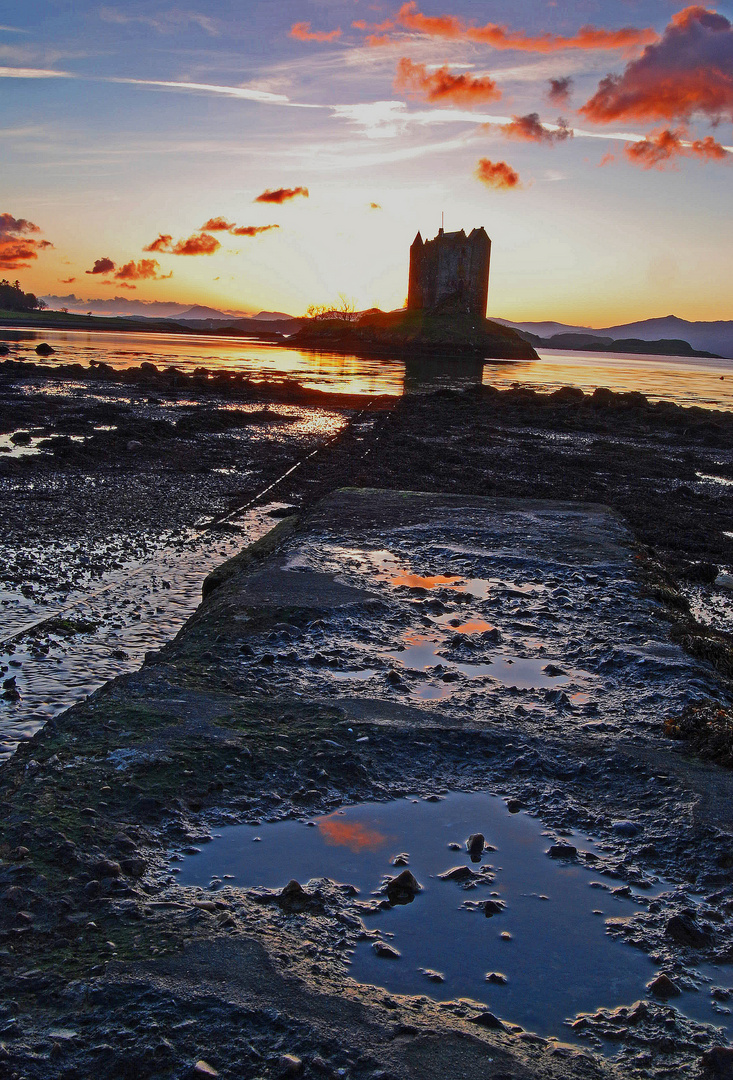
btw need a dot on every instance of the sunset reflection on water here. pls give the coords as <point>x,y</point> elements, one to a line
<point>354,835</point>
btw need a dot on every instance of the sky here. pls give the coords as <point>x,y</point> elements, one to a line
<point>256,156</point>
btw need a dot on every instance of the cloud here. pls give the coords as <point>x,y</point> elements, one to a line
<point>530,128</point>
<point>443,85</point>
<point>199,244</point>
<point>145,270</point>
<point>247,93</point>
<point>374,206</point>
<point>559,90</point>
<point>220,224</point>
<point>453,28</point>
<point>660,149</point>
<point>102,266</point>
<point>32,73</point>
<point>689,71</point>
<point>167,22</point>
<point>217,224</point>
<point>19,243</point>
<point>497,174</point>
<point>251,230</point>
<point>281,195</point>
<point>302,32</point>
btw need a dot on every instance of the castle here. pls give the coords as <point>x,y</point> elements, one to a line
<point>451,271</point>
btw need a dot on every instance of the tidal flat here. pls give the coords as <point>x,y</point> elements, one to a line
<point>361,652</point>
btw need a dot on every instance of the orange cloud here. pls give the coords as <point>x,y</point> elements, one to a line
<point>67,280</point>
<point>443,85</point>
<point>281,195</point>
<point>217,224</point>
<point>497,174</point>
<point>350,834</point>
<point>145,270</point>
<point>102,266</point>
<point>689,71</point>
<point>660,149</point>
<point>251,230</point>
<point>18,243</point>
<point>302,32</point>
<point>529,128</point>
<point>451,27</point>
<point>201,244</point>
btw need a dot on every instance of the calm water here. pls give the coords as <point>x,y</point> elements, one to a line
<point>549,942</point>
<point>686,381</point>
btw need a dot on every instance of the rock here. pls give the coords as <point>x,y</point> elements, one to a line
<point>202,1068</point>
<point>496,978</point>
<point>492,907</point>
<point>134,868</point>
<point>475,844</point>
<point>433,976</point>
<point>488,1020</point>
<point>387,952</point>
<point>134,444</point>
<point>684,930</point>
<point>107,868</point>
<point>562,851</point>
<point>4,350</point>
<point>514,806</point>
<point>724,581</point>
<point>92,889</point>
<point>626,828</point>
<point>44,349</point>
<point>718,1062</point>
<point>403,889</point>
<point>663,987</point>
<point>289,1065</point>
<point>459,873</point>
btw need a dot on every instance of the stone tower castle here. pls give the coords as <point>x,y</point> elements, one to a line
<point>451,271</point>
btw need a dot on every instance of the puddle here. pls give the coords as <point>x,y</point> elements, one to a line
<point>423,654</point>
<point>557,959</point>
<point>25,446</point>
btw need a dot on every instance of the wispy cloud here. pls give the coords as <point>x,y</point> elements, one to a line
<point>167,22</point>
<point>246,93</point>
<point>33,73</point>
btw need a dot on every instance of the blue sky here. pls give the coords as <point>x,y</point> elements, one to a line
<point>101,157</point>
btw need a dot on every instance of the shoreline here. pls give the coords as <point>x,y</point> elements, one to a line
<point>100,799</point>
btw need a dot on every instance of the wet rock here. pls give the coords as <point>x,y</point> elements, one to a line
<point>492,907</point>
<point>44,349</point>
<point>684,930</point>
<point>663,987</point>
<point>514,806</point>
<point>718,1062</point>
<point>488,1020</point>
<point>724,581</point>
<point>107,868</point>
<point>475,844</point>
<point>460,874</point>
<point>432,976</point>
<point>496,978</point>
<point>562,851</point>
<point>134,868</point>
<point>92,889</point>
<point>387,952</point>
<point>403,889</point>
<point>553,670</point>
<point>626,828</point>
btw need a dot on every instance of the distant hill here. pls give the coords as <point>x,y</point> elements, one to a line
<point>711,337</point>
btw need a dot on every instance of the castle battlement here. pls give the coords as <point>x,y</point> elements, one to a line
<point>450,271</point>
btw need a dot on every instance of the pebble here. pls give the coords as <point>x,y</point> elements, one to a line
<point>202,1068</point>
<point>289,1065</point>
<point>562,851</point>
<point>387,952</point>
<point>475,844</point>
<point>496,978</point>
<point>684,930</point>
<point>403,889</point>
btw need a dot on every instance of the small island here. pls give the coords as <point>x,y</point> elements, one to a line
<point>445,314</point>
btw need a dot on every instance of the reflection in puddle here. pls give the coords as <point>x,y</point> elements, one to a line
<point>416,581</point>
<point>354,835</point>
<point>559,960</point>
<point>715,479</point>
